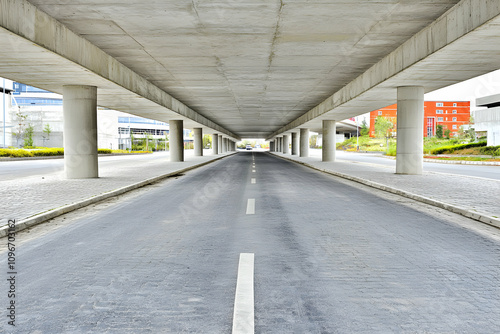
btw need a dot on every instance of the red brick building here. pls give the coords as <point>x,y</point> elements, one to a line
<point>451,115</point>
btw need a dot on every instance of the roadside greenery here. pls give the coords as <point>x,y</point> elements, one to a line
<point>432,146</point>
<point>44,152</point>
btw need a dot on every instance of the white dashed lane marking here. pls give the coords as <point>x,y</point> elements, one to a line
<point>243,316</point>
<point>253,181</point>
<point>251,206</point>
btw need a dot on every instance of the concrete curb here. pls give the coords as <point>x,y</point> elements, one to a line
<point>52,213</point>
<point>463,162</point>
<point>455,162</point>
<point>481,217</point>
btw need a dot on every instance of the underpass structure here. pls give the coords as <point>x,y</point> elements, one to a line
<point>246,69</point>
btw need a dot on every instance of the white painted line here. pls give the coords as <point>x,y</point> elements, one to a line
<point>251,206</point>
<point>253,171</point>
<point>243,316</point>
<point>253,181</point>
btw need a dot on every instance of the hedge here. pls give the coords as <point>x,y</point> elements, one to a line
<point>48,152</point>
<point>20,153</point>
<point>453,148</point>
<point>490,150</point>
<point>7,152</point>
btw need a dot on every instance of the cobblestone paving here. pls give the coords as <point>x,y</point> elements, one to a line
<point>472,193</point>
<point>27,196</point>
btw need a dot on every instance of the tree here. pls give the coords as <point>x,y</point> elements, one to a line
<point>383,128</point>
<point>47,130</point>
<point>439,131</point>
<point>28,136</point>
<point>447,133</point>
<point>207,141</point>
<point>21,124</point>
<point>313,141</point>
<point>365,130</point>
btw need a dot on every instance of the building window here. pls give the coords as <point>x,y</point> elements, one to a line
<point>380,112</point>
<point>454,104</point>
<point>440,119</point>
<point>454,127</point>
<point>454,111</point>
<point>439,104</point>
<point>439,111</point>
<point>454,119</point>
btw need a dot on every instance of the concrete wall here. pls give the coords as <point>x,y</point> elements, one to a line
<point>489,120</point>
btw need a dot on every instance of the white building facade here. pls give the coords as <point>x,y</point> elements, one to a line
<point>487,121</point>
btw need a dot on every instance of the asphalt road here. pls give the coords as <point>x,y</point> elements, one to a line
<point>330,257</point>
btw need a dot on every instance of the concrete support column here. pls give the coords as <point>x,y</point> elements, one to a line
<point>80,131</point>
<point>410,141</point>
<point>220,143</point>
<point>286,145</point>
<point>176,137</point>
<point>304,142</point>
<point>215,144</point>
<point>271,146</point>
<point>328,147</point>
<point>280,144</point>
<point>224,145</point>
<point>198,142</point>
<point>295,143</point>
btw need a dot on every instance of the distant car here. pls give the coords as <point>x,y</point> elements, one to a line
<point>257,146</point>
<point>249,147</point>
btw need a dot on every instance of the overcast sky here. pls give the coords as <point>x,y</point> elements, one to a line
<point>469,90</point>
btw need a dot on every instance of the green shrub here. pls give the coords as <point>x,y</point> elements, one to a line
<point>453,148</point>
<point>489,150</point>
<point>48,152</point>
<point>104,151</point>
<point>15,153</point>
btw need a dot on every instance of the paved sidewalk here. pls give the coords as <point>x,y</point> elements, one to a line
<point>474,197</point>
<point>24,197</point>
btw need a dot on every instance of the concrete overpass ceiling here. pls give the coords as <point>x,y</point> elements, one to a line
<point>251,66</point>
